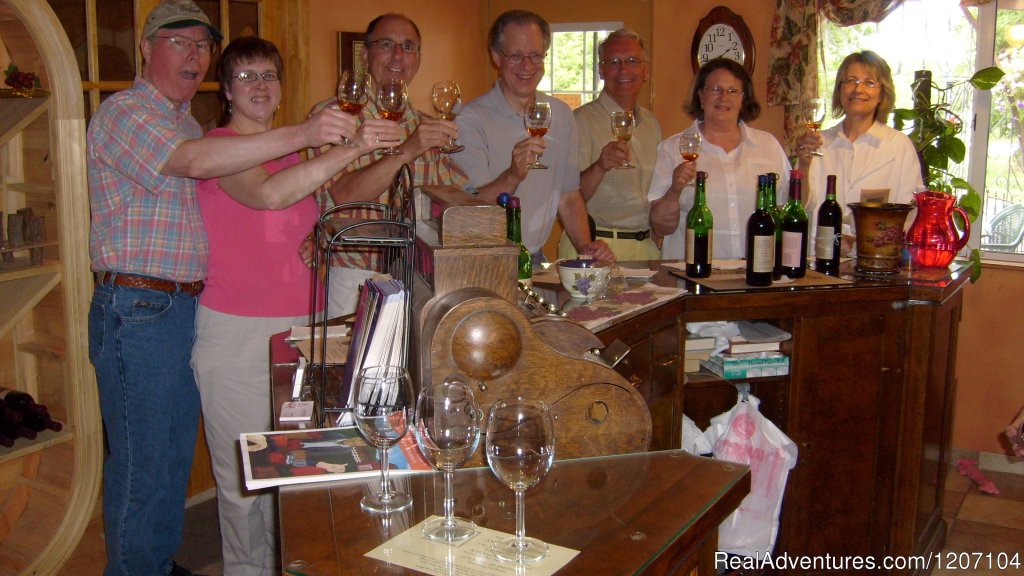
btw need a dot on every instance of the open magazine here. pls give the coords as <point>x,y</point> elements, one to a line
<point>321,455</point>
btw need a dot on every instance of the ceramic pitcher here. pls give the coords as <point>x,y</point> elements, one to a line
<point>879,228</point>
<point>933,238</point>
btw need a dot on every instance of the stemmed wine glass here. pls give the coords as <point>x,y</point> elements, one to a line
<point>622,129</point>
<point>814,115</point>
<point>537,121</point>
<point>446,97</point>
<point>392,96</point>
<point>352,93</point>
<point>520,450</point>
<point>384,399</point>
<point>447,429</point>
<point>690,142</point>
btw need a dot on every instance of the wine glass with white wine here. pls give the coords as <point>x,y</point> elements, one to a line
<point>622,129</point>
<point>447,429</point>
<point>392,96</point>
<point>446,96</point>
<point>814,115</point>
<point>537,121</point>
<point>520,450</point>
<point>690,143</point>
<point>353,90</point>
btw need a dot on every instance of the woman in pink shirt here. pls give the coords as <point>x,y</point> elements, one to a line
<point>257,285</point>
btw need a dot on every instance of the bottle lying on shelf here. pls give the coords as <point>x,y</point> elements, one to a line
<point>34,416</point>
<point>12,425</point>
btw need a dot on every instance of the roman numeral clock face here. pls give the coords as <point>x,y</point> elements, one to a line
<point>722,34</point>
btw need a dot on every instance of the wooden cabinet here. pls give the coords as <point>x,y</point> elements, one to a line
<point>48,486</point>
<point>867,401</point>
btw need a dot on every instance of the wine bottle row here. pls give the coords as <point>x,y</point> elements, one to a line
<point>22,417</point>
<point>514,233</point>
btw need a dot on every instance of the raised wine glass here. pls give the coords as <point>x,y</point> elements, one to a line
<point>814,115</point>
<point>392,96</point>
<point>622,129</point>
<point>353,90</point>
<point>446,97</point>
<point>537,121</point>
<point>520,450</point>
<point>447,429</point>
<point>384,400</point>
<point>690,143</point>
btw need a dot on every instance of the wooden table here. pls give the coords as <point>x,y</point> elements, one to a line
<point>649,513</point>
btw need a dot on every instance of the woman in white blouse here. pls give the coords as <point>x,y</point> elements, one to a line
<point>733,155</point>
<point>869,159</point>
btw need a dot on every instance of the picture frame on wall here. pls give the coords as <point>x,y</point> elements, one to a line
<point>350,51</point>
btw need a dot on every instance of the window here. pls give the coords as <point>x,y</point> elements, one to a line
<point>570,73</point>
<point>953,42</point>
<point>102,34</point>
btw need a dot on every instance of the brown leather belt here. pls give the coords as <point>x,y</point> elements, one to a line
<point>133,281</point>
<point>641,235</point>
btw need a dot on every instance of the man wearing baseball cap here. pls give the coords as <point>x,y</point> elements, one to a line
<point>149,252</point>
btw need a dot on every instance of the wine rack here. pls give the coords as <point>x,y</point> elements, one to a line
<point>48,485</point>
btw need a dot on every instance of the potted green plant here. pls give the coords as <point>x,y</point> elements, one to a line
<point>936,134</point>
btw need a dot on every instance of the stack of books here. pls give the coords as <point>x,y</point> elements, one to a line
<point>697,348</point>
<point>755,352</point>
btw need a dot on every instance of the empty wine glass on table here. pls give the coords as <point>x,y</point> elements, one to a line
<point>814,115</point>
<point>353,90</point>
<point>520,450</point>
<point>446,97</point>
<point>384,400</point>
<point>690,143</point>
<point>537,121</point>
<point>392,96</point>
<point>622,129</point>
<point>447,429</point>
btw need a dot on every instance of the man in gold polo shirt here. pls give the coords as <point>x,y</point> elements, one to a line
<point>617,197</point>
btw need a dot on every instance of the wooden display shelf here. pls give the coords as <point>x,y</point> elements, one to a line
<point>29,246</point>
<point>51,346</point>
<point>708,378</point>
<point>17,113</point>
<point>33,189</point>
<point>24,289</point>
<point>23,446</point>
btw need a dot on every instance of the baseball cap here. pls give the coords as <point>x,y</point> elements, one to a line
<point>178,14</point>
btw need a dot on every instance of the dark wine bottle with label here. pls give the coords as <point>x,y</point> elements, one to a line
<point>524,266</point>
<point>794,230</point>
<point>772,181</point>
<point>700,232</point>
<point>760,240</point>
<point>828,241</point>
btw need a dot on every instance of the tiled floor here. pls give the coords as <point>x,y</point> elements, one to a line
<point>978,523</point>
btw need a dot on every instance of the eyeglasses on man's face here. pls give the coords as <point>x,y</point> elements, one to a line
<point>247,76</point>
<point>387,45</point>
<point>185,44</point>
<point>851,82</point>
<point>516,58</point>
<point>719,91</point>
<point>631,62</point>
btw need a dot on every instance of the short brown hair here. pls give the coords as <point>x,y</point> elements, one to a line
<point>749,110</point>
<point>521,17</point>
<point>241,50</point>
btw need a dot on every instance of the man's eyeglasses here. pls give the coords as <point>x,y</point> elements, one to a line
<point>517,58</point>
<point>247,76</point>
<point>387,44</point>
<point>185,44</point>
<point>718,91</point>
<point>631,62</point>
<point>857,82</point>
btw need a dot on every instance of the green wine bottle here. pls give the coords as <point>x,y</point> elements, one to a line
<point>700,232</point>
<point>525,264</point>
<point>794,230</point>
<point>760,239</point>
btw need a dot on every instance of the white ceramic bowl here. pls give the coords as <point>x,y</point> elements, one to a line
<point>584,278</point>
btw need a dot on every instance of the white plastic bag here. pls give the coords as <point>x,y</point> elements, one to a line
<point>694,441</point>
<point>743,435</point>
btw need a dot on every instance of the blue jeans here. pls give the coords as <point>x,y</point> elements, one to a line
<point>140,343</point>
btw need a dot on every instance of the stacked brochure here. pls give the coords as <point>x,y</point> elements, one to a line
<point>321,455</point>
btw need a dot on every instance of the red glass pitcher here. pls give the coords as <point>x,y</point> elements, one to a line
<point>933,238</point>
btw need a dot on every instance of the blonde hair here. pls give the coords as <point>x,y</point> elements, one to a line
<point>880,68</point>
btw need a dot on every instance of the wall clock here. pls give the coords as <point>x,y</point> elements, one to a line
<point>722,34</point>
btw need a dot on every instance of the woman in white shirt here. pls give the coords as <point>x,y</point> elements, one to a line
<point>733,155</point>
<point>870,160</point>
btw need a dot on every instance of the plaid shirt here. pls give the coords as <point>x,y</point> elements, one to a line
<point>431,168</point>
<point>143,222</point>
